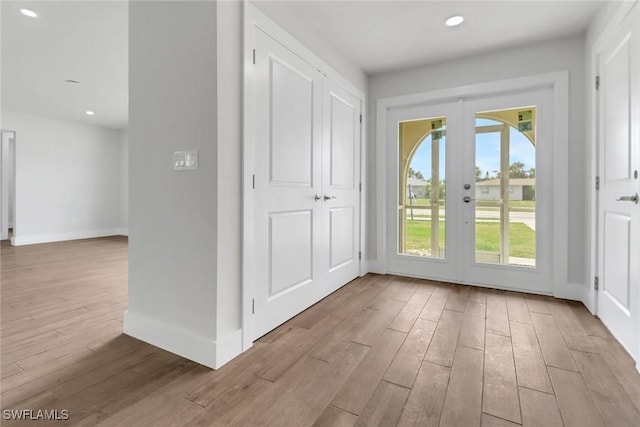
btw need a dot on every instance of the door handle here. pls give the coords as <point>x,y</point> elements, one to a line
<point>317,197</point>
<point>325,197</point>
<point>467,199</point>
<point>633,199</point>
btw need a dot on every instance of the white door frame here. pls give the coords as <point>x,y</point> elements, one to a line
<point>5,181</point>
<point>254,19</point>
<point>559,82</point>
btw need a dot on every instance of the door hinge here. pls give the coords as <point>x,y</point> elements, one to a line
<point>360,118</point>
<point>253,306</point>
<point>596,283</point>
<point>597,82</point>
<point>254,181</point>
<point>254,57</point>
<point>597,182</point>
<point>359,254</point>
<point>360,187</point>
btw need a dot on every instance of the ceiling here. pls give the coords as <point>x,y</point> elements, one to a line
<point>87,41</point>
<point>381,36</point>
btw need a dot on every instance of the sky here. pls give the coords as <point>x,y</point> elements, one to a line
<point>487,152</point>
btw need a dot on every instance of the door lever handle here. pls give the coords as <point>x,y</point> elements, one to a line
<point>467,199</point>
<point>633,199</point>
<point>325,197</point>
<point>317,197</point>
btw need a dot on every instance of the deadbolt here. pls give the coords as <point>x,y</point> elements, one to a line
<point>467,186</point>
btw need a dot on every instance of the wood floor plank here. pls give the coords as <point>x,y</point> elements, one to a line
<point>409,313</point>
<point>335,417</point>
<point>359,387</point>
<point>445,339</point>
<point>497,317</point>
<point>612,401</point>
<point>539,409</point>
<point>491,421</point>
<point>296,350</point>
<point>424,405</point>
<point>385,406</point>
<point>500,389</point>
<point>531,369</point>
<point>477,294</point>
<point>405,365</point>
<point>472,330</point>
<point>61,311</point>
<point>9,370</point>
<point>621,365</point>
<point>537,304</point>
<point>554,349</point>
<point>457,300</point>
<point>570,328</point>
<point>242,392</point>
<point>517,308</point>
<point>463,401</point>
<point>575,403</point>
<point>434,307</point>
<point>375,322</point>
<point>591,324</point>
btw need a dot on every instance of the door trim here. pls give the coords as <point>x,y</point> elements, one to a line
<point>254,19</point>
<point>559,82</point>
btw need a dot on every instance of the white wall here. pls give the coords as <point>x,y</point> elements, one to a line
<point>68,179</point>
<point>173,215</point>
<point>185,230</point>
<point>230,80</point>
<point>564,54</point>
<point>280,12</point>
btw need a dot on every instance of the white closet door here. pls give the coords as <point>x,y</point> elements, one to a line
<point>288,138</point>
<point>340,184</point>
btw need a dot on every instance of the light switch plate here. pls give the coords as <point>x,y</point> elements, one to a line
<point>185,160</point>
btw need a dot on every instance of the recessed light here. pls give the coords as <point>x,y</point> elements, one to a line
<point>454,21</point>
<point>90,113</point>
<point>28,12</point>
<point>73,82</point>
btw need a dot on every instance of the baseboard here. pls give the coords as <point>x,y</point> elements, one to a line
<point>200,349</point>
<point>377,267</point>
<point>179,341</point>
<point>574,292</point>
<point>228,347</point>
<point>61,237</point>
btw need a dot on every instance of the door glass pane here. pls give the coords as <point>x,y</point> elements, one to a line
<point>505,191</point>
<point>422,189</point>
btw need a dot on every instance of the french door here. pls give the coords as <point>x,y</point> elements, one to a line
<point>471,201</point>
<point>306,185</point>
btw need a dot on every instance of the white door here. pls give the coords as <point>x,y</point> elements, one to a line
<point>340,185</point>
<point>422,155</point>
<point>507,209</point>
<point>471,198</point>
<point>619,166</point>
<point>306,194</point>
<point>288,184</point>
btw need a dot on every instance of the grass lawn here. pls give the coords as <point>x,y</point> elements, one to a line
<point>521,237</point>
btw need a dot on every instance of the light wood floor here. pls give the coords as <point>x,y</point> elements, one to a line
<point>383,350</point>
